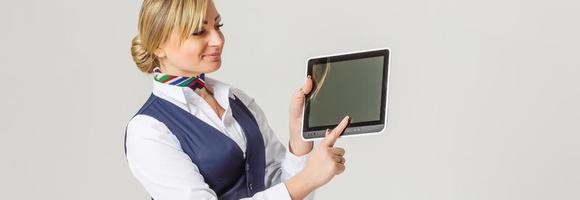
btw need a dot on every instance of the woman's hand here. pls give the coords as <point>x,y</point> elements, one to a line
<point>298,146</point>
<point>325,162</point>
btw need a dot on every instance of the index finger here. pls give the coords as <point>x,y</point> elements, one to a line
<point>331,138</point>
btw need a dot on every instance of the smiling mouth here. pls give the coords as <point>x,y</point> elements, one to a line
<point>212,57</point>
<point>212,54</point>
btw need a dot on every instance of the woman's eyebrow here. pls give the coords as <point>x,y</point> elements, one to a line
<point>218,17</point>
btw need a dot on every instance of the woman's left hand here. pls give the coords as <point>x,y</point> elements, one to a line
<point>298,146</point>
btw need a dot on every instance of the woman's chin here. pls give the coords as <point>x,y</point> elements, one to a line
<point>213,66</point>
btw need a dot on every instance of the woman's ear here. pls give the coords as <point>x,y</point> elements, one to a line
<point>160,52</point>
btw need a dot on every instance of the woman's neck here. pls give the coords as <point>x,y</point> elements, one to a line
<point>203,93</point>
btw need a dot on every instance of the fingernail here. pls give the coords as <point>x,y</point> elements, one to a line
<point>309,76</point>
<point>346,118</point>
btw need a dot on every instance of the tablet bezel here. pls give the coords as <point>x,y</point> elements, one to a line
<point>354,129</point>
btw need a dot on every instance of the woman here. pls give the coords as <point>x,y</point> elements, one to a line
<point>199,138</point>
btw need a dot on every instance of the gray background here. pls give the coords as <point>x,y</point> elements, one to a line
<point>484,94</point>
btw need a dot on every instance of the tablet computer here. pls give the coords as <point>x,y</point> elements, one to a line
<point>354,84</point>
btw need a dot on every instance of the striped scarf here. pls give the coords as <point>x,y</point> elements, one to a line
<point>181,81</point>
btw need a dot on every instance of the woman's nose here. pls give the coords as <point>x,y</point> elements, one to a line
<point>216,38</point>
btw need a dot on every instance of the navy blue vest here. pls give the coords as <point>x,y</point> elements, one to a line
<point>220,160</point>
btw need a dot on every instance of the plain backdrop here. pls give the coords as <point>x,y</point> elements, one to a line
<point>484,94</point>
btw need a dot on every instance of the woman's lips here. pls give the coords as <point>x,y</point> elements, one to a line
<point>212,56</point>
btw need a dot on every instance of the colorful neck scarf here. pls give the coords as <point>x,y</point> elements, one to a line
<point>181,81</point>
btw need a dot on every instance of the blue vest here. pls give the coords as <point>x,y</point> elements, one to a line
<point>220,160</point>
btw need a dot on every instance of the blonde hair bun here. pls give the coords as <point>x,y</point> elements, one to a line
<point>144,60</point>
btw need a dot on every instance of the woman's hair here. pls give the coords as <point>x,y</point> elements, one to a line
<point>158,19</point>
<point>319,74</point>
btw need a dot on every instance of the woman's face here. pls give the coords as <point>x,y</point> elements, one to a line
<point>200,53</point>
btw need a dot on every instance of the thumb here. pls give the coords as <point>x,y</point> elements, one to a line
<point>331,137</point>
<point>308,85</point>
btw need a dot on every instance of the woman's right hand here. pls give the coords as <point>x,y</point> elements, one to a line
<point>325,162</point>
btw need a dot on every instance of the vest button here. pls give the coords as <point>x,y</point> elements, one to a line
<point>251,186</point>
<point>247,167</point>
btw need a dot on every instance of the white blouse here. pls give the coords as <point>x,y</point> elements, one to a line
<point>157,161</point>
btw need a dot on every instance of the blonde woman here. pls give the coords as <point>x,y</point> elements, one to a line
<point>199,138</point>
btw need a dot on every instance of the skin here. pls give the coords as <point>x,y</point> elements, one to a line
<point>201,53</point>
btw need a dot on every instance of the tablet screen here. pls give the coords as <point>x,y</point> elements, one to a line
<point>351,85</point>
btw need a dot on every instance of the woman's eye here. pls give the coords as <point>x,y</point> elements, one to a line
<point>203,31</point>
<point>200,32</point>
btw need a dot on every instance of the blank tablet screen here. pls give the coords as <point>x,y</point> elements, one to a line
<point>351,85</point>
<point>330,102</point>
